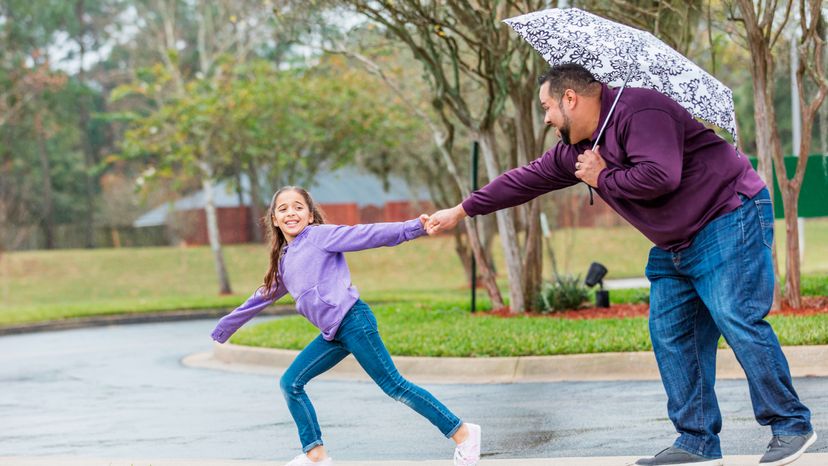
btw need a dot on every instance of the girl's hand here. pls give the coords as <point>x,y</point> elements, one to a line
<point>423,219</point>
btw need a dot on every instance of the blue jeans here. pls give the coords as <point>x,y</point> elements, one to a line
<point>721,285</point>
<point>357,335</point>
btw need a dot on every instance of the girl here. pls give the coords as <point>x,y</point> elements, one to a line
<point>307,261</point>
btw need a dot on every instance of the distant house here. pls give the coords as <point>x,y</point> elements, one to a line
<point>347,196</point>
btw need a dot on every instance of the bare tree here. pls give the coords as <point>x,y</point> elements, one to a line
<point>764,23</point>
<point>763,27</point>
<point>443,138</point>
<point>812,87</point>
<point>476,68</point>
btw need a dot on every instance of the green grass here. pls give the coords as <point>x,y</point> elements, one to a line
<point>45,285</point>
<point>450,330</point>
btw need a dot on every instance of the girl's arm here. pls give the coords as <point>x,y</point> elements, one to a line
<point>228,324</point>
<point>342,238</point>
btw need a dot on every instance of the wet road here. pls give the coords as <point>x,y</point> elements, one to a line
<point>123,392</point>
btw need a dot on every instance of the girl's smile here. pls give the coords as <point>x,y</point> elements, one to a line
<point>291,214</point>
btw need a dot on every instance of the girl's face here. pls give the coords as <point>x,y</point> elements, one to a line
<point>292,214</point>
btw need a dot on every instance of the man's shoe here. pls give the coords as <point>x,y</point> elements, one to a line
<point>784,449</point>
<point>677,457</point>
<point>303,460</point>
<point>467,453</point>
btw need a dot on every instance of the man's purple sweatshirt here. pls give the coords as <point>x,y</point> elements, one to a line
<point>667,174</point>
<point>313,270</point>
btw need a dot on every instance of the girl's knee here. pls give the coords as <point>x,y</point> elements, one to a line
<point>289,384</point>
<point>398,389</point>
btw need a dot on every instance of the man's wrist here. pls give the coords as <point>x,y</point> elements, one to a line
<point>460,212</point>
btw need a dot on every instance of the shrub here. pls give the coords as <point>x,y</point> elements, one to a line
<point>566,292</point>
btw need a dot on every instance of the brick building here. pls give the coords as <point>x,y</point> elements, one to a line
<point>347,196</point>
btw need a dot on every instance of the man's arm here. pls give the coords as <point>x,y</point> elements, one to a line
<point>554,170</point>
<point>654,142</point>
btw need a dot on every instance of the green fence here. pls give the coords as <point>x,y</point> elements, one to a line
<point>813,199</point>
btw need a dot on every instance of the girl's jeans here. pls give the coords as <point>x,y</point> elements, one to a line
<point>357,335</point>
<point>721,285</point>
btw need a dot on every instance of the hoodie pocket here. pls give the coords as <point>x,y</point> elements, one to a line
<point>311,305</point>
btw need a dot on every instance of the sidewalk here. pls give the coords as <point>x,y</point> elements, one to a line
<point>810,459</point>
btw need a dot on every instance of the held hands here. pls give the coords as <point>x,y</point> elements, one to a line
<point>589,166</point>
<point>444,220</point>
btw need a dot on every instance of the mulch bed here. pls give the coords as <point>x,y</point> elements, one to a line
<point>810,305</point>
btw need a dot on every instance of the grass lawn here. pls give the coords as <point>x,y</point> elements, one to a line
<point>44,285</point>
<point>444,329</point>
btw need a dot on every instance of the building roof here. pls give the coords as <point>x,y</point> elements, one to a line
<point>346,185</point>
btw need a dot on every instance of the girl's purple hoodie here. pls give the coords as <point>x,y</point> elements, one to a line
<point>314,272</point>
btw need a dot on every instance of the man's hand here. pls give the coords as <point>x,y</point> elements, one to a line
<point>444,220</point>
<point>589,166</point>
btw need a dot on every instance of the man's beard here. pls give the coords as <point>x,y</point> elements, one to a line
<point>566,127</point>
<point>564,131</point>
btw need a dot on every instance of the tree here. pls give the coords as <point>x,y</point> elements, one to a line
<point>435,176</point>
<point>225,32</point>
<point>476,68</point>
<point>764,23</point>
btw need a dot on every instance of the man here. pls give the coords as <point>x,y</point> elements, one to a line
<point>710,217</point>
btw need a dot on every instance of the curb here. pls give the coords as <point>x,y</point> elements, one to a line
<point>804,361</point>
<point>133,318</point>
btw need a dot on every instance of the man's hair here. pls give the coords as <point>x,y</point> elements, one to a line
<point>569,76</point>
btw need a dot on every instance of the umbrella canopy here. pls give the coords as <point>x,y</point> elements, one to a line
<point>616,53</point>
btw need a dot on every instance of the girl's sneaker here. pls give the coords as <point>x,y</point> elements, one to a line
<point>467,453</point>
<point>303,460</point>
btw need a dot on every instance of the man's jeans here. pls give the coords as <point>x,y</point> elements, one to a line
<point>721,285</point>
<point>357,335</point>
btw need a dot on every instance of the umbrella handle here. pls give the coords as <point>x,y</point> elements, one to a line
<point>606,121</point>
<point>612,108</point>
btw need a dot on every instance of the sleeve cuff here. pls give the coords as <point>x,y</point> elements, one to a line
<point>602,180</point>
<point>414,229</point>
<point>468,207</point>
<point>220,335</point>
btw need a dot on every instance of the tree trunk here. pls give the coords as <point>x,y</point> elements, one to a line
<point>767,132</point>
<point>48,219</point>
<point>506,227</point>
<point>213,229</point>
<point>116,237</point>
<point>792,263</point>
<point>528,147</point>
<point>487,277</point>
<point>256,212</point>
<point>83,122</point>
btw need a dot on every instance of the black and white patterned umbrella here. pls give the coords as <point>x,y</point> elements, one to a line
<point>620,55</point>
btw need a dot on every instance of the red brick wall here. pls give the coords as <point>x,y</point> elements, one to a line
<point>404,210</point>
<point>234,225</point>
<point>341,214</point>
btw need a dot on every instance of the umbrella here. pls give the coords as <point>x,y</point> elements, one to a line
<point>618,54</point>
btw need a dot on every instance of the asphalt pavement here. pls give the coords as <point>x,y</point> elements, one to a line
<point>101,394</point>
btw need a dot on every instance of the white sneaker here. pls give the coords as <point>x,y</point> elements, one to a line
<point>467,453</point>
<point>303,460</point>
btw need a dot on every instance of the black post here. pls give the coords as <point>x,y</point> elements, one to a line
<point>474,157</point>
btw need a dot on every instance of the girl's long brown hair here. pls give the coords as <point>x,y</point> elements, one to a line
<point>277,238</point>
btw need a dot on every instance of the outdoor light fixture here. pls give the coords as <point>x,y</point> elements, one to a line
<point>595,276</point>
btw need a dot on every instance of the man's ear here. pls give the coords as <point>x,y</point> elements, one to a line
<point>569,98</point>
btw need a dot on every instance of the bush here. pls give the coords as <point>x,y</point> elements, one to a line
<point>566,292</point>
